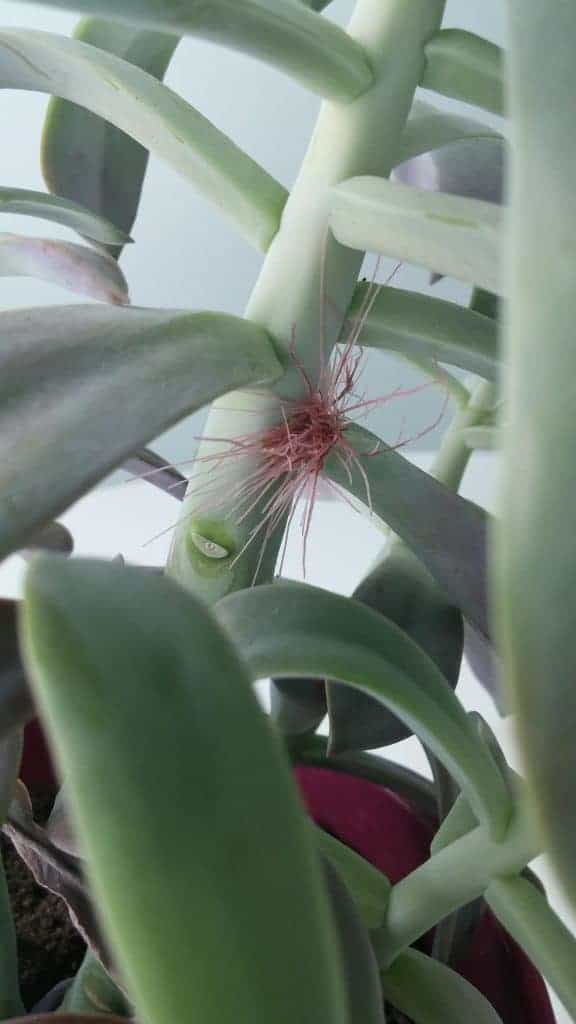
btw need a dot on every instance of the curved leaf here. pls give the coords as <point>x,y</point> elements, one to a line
<point>361,979</point>
<point>445,531</point>
<point>74,267</point>
<point>81,387</point>
<point>420,325</point>
<point>92,990</point>
<point>292,38</point>
<point>428,128</point>
<point>16,707</point>
<point>401,590</point>
<point>430,993</point>
<point>153,115</point>
<point>297,706</point>
<point>369,888</point>
<point>465,67</point>
<point>448,234</point>
<point>185,734</point>
<point>536,544</point>
<point>86,158</point>
<point>51,537</point>
<point>319,633</point>
<point>528,918</point>
<point>61,211</point>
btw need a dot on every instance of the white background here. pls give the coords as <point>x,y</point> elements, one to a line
<point>187,256</point>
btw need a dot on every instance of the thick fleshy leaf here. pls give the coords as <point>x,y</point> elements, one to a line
<point>428,128</point>
<point>486,666</point>
<point>445,531</point>
<point>74,267</point>
<point>147,465</point>
<point>83,387</point>
<point>322,634</point>
<point>368,886</point>
<point>536,544</point>
<point>61,211</point>
<point>420,325</point>
<point>470,167</point>
<point>297,705</point>
<point>216,775</point>
<point>448,234</point>
<point>312,49</point>
<point>16,707</point>
<point>401,590</point>
<point>86,158</point>
<point>151,114</point>
<point>465,67</point>
<point>430,993</point>
<point>10,756</point>
<point>313,750</point>
<point>361,977</point>
<point>92,990</point>
<point>51,537</point>
<point>530,920</point>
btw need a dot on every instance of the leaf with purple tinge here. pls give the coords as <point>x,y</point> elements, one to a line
<point>151,467</point>
<point>447,532</point>
<point>74,267</point>
<point>485,665</point>
<point>54,869</point>
<point>429,128</point>
<point>473,167</point>
<point>404,592</point>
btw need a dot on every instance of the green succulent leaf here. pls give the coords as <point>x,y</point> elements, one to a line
<point>62,211</point>
<point>322,634</point>
<point>153,115</point>
<point>369,888</point>
<point>448,234</point>
<point>16,707</point>
<point>87,159</point>
<point>444,530</point>
<point>527,916</point>
<point>285,34</point>
<point>74,267</point>
<point>400,589</point>
<point>423,326</point>
<point>297,705</point>
<point>465,67</point>
<point>430,993</point>
<point>79,389</point>
<point>429,128</point>
<point>361,976</point>
<point>535,563</point>
<point>198,760</point>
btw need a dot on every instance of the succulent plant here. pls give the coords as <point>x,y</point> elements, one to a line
<point>223,864</point>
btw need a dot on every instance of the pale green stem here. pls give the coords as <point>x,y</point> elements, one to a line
<point>527,916</point>
<point>305,274</point>
<point>452,878</point>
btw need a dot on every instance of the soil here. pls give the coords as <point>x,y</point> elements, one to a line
<point>49,947</point>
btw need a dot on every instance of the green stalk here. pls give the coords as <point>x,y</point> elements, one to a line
<point>526,915</point>
<point>452,878</point>
<point>305,270</point>
<point>10,1001</point>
